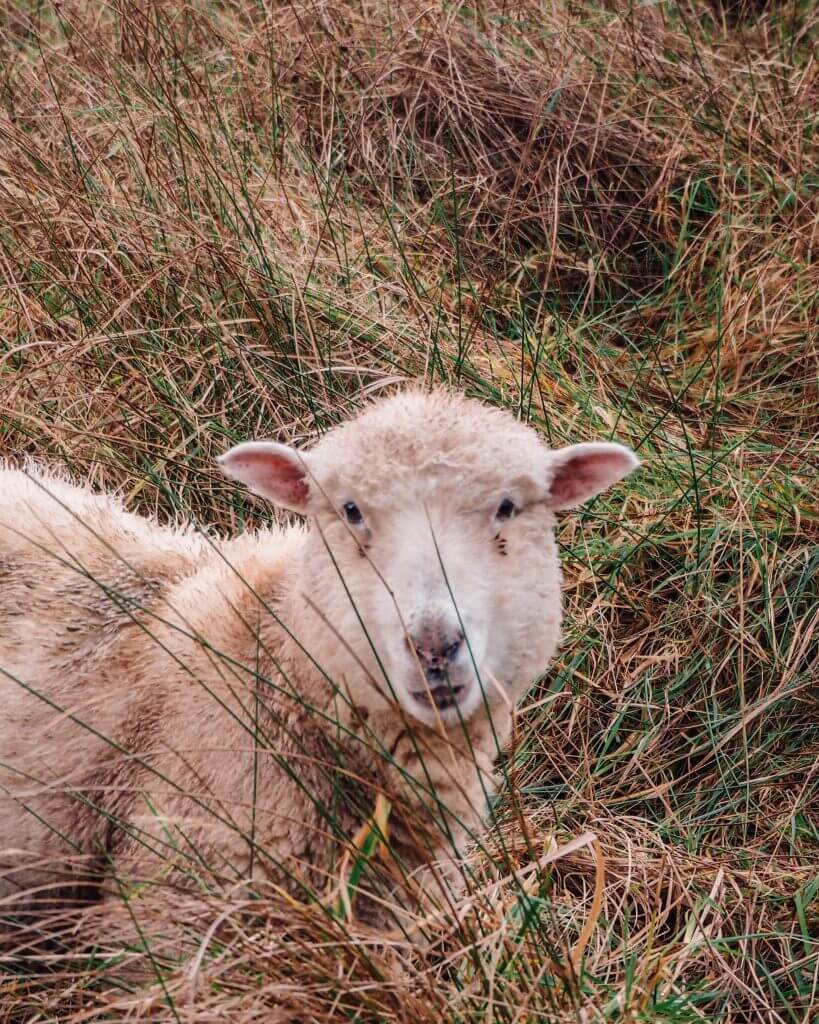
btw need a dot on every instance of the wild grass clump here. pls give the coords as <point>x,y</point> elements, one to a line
<point>220,221</point>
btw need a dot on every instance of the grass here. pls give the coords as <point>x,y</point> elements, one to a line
<point>227,220</point>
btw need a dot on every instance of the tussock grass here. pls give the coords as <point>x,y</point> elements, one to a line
<point>228,220</point>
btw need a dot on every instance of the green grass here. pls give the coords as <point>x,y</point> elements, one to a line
<point>222,221</point>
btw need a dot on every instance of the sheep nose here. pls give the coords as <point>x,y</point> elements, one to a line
<point>436,648</point>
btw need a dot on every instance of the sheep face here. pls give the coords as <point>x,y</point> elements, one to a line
<point>430,571</point>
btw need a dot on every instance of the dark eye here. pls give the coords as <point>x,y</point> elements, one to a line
<point>506,509</point>
<point>353,513</point>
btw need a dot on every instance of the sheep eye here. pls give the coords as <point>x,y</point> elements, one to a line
<point>352,513</point>
<point>506,509</point>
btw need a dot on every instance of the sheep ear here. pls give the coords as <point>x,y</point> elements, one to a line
<point>583,470</point>
<point>272,470</point>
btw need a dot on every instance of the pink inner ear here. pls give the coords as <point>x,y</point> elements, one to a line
<point>577,477</point>
<point>587,473</point>
<point>272,474</point>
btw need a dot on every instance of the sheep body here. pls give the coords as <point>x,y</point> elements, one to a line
<point>173,700</point>
<point>102,666</point>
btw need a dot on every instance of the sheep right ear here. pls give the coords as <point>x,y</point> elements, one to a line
<point>272,470</point>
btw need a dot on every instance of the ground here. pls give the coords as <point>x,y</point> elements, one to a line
<point>228,220</point>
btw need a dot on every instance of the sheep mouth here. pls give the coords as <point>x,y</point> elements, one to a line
<point>442,697</point>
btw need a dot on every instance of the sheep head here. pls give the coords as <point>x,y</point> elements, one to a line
<point>431,566</point>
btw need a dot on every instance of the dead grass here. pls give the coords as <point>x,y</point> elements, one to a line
<point>224,220</point>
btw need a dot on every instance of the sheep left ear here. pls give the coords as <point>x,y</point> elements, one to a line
<point>275,471</point>
<point>583,470</point>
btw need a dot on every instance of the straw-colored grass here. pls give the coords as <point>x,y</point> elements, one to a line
<point>226,220</point>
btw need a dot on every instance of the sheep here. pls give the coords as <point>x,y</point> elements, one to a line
<point>175,703</point>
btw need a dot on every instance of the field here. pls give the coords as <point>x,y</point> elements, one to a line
<point>230,220</point>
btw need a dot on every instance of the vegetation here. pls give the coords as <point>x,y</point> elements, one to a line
<point>223,220</point>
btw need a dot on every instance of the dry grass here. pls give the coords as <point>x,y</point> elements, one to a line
<point>228,219</point>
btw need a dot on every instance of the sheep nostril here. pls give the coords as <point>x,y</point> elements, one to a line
<point>450,653</point>
<point>435,655</point>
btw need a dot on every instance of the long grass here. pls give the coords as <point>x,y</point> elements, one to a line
<point>229,220</point>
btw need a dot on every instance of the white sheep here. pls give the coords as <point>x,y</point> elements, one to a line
<point>172,701</point>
